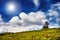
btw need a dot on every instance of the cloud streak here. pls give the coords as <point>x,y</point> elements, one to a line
<point>36,2</point>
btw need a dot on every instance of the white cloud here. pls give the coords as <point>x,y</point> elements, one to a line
<point>57,5</point>
<point>50,18</point>
<point>58,20</point>
<point>27,28</point>
<point>0,18</point>
<point>16,21</point>
<point>36,2</point>
<point>36,18</point>
<point>54,25</point>
<point>53,13</point>
<point>32,21</point>
<point>0,15</point>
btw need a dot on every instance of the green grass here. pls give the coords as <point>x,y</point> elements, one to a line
<point>44,34</point>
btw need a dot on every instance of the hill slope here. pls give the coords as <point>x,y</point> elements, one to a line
<point>44,34</point>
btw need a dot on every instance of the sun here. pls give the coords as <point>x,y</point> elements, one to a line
<point>11,7</point>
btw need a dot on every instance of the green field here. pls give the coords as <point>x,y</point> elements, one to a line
<point>44,34</point>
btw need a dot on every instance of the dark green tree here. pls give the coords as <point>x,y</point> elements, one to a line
<point>46,25</point>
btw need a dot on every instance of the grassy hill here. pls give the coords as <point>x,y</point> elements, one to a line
<point>44,34</point>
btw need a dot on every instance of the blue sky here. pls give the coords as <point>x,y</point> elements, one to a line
<point>26,6</point>
<point>30,12</point>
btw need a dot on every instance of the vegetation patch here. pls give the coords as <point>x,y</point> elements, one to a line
<point>44,34</point>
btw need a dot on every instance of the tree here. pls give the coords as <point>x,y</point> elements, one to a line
<point>46,25</point>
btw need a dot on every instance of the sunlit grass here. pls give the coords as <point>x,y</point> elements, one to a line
<point>44,34</point>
